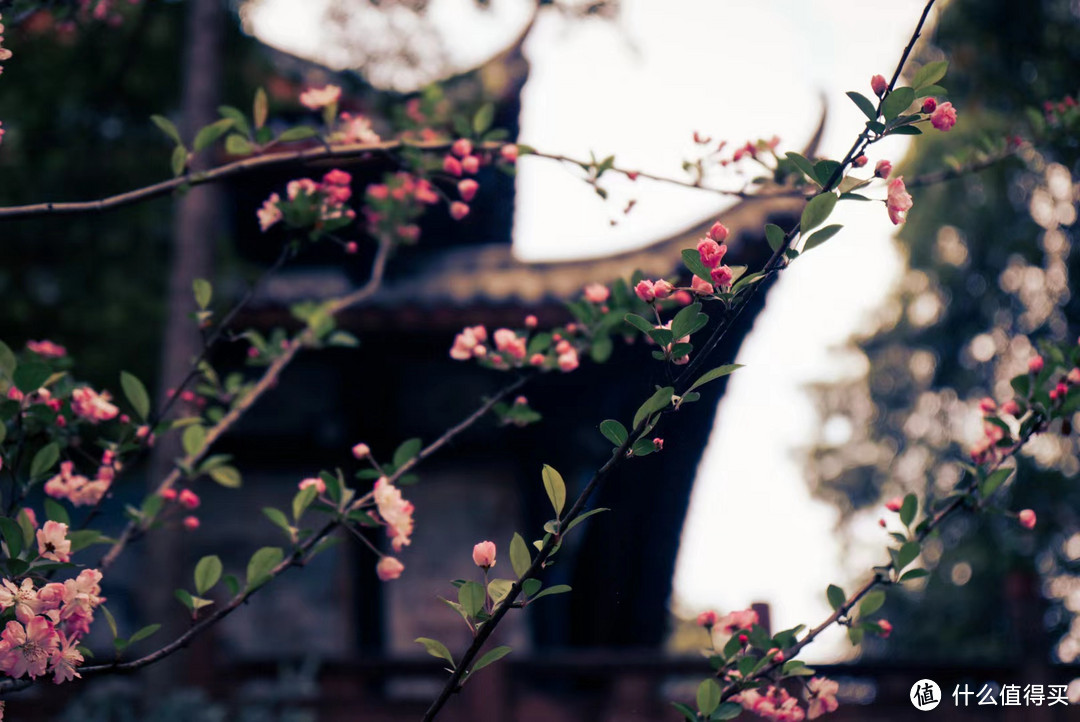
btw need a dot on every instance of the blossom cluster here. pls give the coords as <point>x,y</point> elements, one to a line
<point>509,349</point>
<point>319,205</point>
<point>49,620</point>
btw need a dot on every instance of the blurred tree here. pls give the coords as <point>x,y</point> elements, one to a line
<point>988,265</point>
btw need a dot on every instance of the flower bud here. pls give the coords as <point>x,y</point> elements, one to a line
<point>389,568</point>
<point>879,85</point>
<point>462,147</point>
<point>467,188</point>
<point>191,523</point>
<point>483,555</point>
<point>1035,365</point>
<point>883,169</point>
<point>1027,519</point>
<point>188,499</point>
<point>718,232</point>
<point>929,105</point>
<point>458,210</point>
<point>706,619</point>
<point>859,162</point>
<point>361,450</point>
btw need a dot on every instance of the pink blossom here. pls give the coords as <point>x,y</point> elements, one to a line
<point>26,650</point>
<point>707,619</point>
<point>47,348</point>
<point>1073,377</point>
<point>1027,519</point>
<point>895,503</point>
<point>944,117</point>
<point>452,166</point>
<point>467,188</point>
<point>270,212</point>
<point>531,321</point>
<point>361,451</point>
<point>597,293</point>
<point>658,443</point>
<point>508,342</point>
<point>315,98</point>
<point>700,287</point>
<point>711,252</point>
<point>859,162</point>
<point>90,405</point>
<point>466,341</point>
<point>395,511</point>
<point>65,659</point>
<point>188,499</point>
<point>337,177</point>
<point>352,247</point>
<point>537,359</point>
<point>483,554</point>
<point>929,105</point>
<point>509,152</point>
<point>885,628</point>
<point>389,568</point>
<point>883,169</point>
<point>722,276</point>
<point>718,232</point>
<point>169,494</point>
<point>1010,407</point>
<point>470,164</point>
<point>898,201</point>
<point>879,85</point>
<point>644,291</point>
<point>662,289</point>
<point>822,693</point>
<point>191,523</point>
<point>744,619</point>
<point>987,405</point>
<point>378,191</point>
<point>24,598</point>
<point>1035,364</point>
<point>355,129</point>
<point>53,542</point>
<point>301,187</point>
<point>318,483</point>
<point>462,147</point>
<point>568,361</point>
<point>458,210</point>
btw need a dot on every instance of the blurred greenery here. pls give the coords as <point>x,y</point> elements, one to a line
<point>988,260</point>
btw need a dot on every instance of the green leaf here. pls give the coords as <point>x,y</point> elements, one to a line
<point>994,481</point>
<point>260,108</point>
<point>660,400</point>
<point>531,586</point>
<point>906,555</point>
<point>687,712</point>
<point>82,538</point>
<point>436,649</point>
<point>908,509</point>
<point>906,130</point>
<point>136,394</point>
<point>930,73</point>
<point>498,589</point>
<point>302,501</point>
<point>238,118</point>
<point>582,517</point>
<point>233,584</point>
<point>227,476</point>
<point>143,633</point>
<point>207,573</point>
<point>601,350</point>
<point>871,603</point>
<point>206,137</point>
<point>643,447</point>
<point>726,711</point>
<point>684,321</point>
<point>8,362</point>
<point>855,634</point>
<point>185,598</point>
<point>238,145</point>
<point>937,91</point>
<point>493,655</point>
<point>167,127</point>
<point>110,619</point>
<point>260,565</point>
<point>825,170</point>
<point>30,377</point>
<point>555,488</point>
<point>557,589</point>
<point>816,211</point>
<point>203,292</point>
<point>914,574</point>
<point>278,518</point>
<point>13,536</point>
<point>520,558</point>
<point>194,439</point>
<point>300,132</point>
<point>54,511</point>
<point>483,118</point>
<point>775,236</point>
<point>614,432</point>
<point>708,697</point>
<point>897,102</point>
<point>712,375</point>
<point>836,596</point>
<point>406,452</point>
<point>471,596</point>
<point>821,236</point>
<point>865,105</point>
<point>44,460</point>
<point>640,323</point>
<point>804,165</point>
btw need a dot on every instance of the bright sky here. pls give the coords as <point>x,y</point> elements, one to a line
<point>639,87</point>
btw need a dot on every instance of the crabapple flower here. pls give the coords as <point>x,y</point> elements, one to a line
<point>462,147</point>
<point>662,289</point>
<point>315,98</point>
<point>822,694</point>
<point>470,164</point>
<point>895,503</point>
<point>885,628</point>
<point>987,405</point>
<point>24,598</point>
<point>898,201</point>
<point>644,290</point>
<point>706,619</point>
<point>568,360</point>
<point>395,511</point>
<point>452,166</point>
<point>597,293</point>
<point>467,342</point>
<point>483,555</point>
<point>65,658</point>
<point>467,188</point>
<point>269,213</point>
<point>188,499</point>
<point>27,649</point>
<point>458,210</point>
<point>944,117</point>
<point>718,232</point>
<point>1027,519</point>
<point>509,343</point>
<point>53,542</point>
<point>92,406</point>
<point>879,85</point>
<point>1010,407</point>
<point>658,443</point>
<point>354,129</point>
<point>1035,365</point>
<point>929,105</point>
<point>509,152</point>
<point>191,523</point>
<point>389,568</point>
<point>47,349</point>
<point>883,169</point>
<point>1073,377</point>
<point>722,276</point>
<point>860,161</point>
<point>700,287</point>
<point>711,252</point>
<point>361,450</point>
